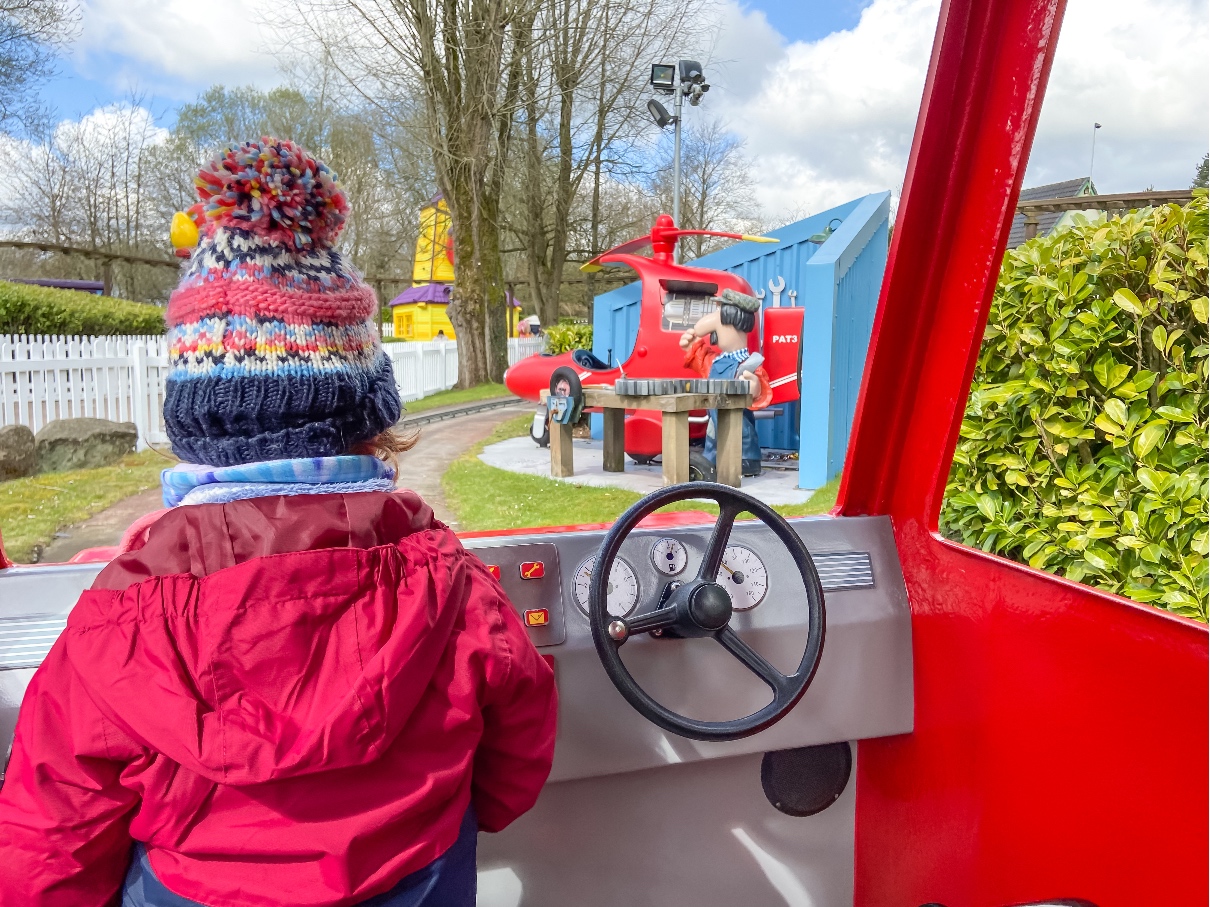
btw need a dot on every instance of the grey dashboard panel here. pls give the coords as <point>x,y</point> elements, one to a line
<point>863,687</point>
<point>697,835</point>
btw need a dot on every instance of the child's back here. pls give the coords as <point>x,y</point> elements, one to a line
<point>290,701</point>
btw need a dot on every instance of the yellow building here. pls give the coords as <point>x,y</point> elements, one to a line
<point>434,245</point>
<point>419,312</point>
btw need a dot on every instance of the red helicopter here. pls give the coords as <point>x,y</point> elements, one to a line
<point>674,297</point>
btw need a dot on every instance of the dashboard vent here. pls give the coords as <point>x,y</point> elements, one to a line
<point>24,642</point>
<point>844,570</point>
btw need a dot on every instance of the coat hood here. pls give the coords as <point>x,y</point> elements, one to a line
<point>297,636</point>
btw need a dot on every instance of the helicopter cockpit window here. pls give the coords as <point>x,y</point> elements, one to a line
<point>685,301</point>
<point>682,310</point>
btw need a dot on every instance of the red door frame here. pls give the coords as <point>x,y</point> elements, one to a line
<point>1060,743</point>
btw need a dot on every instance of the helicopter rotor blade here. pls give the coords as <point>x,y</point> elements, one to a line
<point>743,236</point>
<point>634,245</point>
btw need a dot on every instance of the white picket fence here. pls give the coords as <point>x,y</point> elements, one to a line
<point>122,378</point>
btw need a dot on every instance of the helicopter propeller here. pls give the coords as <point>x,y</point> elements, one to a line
<point>662,239</point>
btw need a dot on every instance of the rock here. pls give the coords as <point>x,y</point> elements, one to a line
<point>83,443</point>
<point>18,456</point>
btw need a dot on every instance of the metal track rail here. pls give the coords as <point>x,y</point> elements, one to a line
<point>468,410</point>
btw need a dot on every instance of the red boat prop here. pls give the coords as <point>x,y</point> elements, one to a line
<point>674,297</point>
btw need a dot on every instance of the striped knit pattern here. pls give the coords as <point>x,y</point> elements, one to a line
<point>273,354</point>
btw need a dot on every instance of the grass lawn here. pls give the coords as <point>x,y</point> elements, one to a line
<point>461,395</point>
<point>32,510</point>
<point>484,497</point>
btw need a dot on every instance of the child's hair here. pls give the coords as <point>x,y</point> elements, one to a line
<point>737,318</point>
<point>387,446</point>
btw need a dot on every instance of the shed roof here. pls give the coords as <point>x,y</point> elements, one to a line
<point>1047,219</point>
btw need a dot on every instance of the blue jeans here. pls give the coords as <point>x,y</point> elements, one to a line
<point>449,881</point>
<point>724,370</point>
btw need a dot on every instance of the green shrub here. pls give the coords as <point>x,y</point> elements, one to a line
<point>26,309</point>
<point>567,335</point>
<point>1083,449</point>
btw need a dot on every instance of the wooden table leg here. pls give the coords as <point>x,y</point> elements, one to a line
<point>560,451</point>
<point>675,447</point>
<point>729,454</point>
<point>615,440</point>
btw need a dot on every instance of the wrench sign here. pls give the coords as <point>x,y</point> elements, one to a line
<point>776,288</point>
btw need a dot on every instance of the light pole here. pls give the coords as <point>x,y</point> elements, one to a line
<point>1093,157</point>
<point>676,167</point>
<point>685,80</point>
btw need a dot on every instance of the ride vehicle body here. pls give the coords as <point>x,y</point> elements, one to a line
<point>975,732</point>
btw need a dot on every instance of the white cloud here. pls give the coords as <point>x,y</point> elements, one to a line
<point>1139,69</point>
<point>179,46</point>
<point>832,119</point>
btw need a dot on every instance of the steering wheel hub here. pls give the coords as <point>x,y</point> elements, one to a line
<point>710,606</point>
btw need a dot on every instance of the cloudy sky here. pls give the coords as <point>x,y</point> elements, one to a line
<point>824,92</point>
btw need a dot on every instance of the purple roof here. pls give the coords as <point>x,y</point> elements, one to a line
<point>431,292</point>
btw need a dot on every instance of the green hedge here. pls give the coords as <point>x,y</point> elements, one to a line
<point>567,335</point>
<point>1083,449</point>
<point>27,309</point>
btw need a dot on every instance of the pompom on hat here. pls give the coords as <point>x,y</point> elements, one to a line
<point>272,345</point>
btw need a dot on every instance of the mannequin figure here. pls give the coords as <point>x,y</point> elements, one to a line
<point>715,347</point>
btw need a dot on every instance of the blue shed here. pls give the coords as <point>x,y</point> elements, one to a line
<point>837,282</point>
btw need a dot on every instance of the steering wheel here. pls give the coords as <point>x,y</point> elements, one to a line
<point>700,607</point>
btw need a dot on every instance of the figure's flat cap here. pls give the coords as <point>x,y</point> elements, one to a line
<point>740,300</point>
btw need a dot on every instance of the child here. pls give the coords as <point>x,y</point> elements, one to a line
<point>730,324</point>
<point>302,690</point>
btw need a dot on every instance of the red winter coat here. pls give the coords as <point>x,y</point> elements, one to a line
<point>290,700</point>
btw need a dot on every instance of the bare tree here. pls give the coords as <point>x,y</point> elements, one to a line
<point>457,64</point>
<point>85,184</point>
<point>583,116</point>
<point>716,188</point>
<point>31,33</point>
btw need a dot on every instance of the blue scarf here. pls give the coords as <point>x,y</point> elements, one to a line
<point>188,483</point>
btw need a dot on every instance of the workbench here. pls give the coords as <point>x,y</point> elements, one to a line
<point>674,410</point>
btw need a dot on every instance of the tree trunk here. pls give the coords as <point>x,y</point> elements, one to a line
<point>467,299</point>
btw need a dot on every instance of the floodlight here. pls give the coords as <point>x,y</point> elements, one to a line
<point>659,113</point>
<point>663,77</point>
<point>691,72</point>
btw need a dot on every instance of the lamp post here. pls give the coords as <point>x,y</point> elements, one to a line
<point>1093,157</point>
<point>685,80</point>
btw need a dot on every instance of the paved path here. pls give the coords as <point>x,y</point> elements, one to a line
<point>420,469</point>
<point>104,528</point>
<point>773,486</point>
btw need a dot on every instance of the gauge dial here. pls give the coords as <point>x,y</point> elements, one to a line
<point>623,592</point>
<point>669,557</point>
<point>744,576</point>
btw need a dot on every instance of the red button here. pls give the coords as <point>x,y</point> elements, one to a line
<point>533,570</point>
<point>537,617</point>
<point>494,570</point>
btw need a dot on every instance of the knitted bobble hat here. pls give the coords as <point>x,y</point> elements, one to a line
<point>272,346</point>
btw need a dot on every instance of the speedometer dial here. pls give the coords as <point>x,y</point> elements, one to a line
<point>623,590</point>
<point>744,576</point>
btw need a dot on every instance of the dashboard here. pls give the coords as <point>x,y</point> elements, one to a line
<point>863,687</point>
